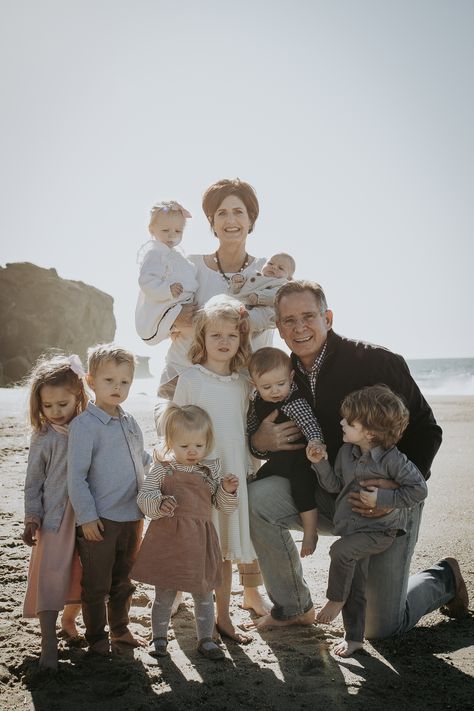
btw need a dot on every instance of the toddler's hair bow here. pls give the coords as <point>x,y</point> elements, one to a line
<point>76,365</point>
<point>170,206</point>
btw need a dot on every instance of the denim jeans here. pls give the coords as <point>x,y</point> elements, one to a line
<point>395,602</point>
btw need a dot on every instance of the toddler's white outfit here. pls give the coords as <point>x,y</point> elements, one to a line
<point>157,309</point>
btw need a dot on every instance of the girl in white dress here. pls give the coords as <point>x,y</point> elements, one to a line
<point>220,349</point>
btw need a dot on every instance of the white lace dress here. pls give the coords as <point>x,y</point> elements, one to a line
<point>226,399</point>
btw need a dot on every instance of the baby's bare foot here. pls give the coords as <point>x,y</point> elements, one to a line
<point>329,612</point>
<point>308,545</point>
<point>347,648</point>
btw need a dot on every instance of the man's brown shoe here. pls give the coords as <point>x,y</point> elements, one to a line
<point>458,607</point>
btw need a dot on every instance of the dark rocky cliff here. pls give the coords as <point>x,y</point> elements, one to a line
<point>40,311</point>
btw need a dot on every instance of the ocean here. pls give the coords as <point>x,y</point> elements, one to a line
<point>443,376</point>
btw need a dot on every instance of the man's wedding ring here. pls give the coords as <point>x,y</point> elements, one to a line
<point>371,511</point>
<point>288,439</point>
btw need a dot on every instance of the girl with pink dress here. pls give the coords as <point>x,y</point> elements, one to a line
<point>57,395</point>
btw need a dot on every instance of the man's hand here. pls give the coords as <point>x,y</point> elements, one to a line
<point>93,530</point>
<point>276,438</point>
<point>316,451</point>
<point>369,496</point>
<point>230,483</point>
<point>29,534</point>
<point>176,289</point>
<point>358,505</point>
<point>168,506</point>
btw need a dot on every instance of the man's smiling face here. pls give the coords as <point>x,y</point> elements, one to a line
<point>303,326</point>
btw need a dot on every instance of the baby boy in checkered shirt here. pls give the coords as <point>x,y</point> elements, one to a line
<point>272,374</point>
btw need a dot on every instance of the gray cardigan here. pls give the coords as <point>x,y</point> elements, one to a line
<point>46,479</point>
<point>351,467</point>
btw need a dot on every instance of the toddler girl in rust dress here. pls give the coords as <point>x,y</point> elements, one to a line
<point>181,550</point>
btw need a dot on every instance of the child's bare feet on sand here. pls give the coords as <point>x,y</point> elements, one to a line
<point>68,621</point>
<point>308,545</point>
<point>49,654</point>
<point>329,612</point>
<point>227,630</point>
<point>347,648</point>
<point>128,638</point>
<point>254,600</point>
<point>269,622</point>
<point>176,603</point>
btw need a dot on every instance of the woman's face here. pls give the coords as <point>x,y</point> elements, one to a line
<point>231,220</point>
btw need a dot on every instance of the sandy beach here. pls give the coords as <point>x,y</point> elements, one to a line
<point>431,668</point>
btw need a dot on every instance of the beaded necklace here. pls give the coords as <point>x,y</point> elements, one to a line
<point>245,264</point>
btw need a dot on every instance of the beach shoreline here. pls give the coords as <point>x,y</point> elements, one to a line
<point>432,667</point>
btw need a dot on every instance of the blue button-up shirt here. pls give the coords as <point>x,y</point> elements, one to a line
<point>106,465</point>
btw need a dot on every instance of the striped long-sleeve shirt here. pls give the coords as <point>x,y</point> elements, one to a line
<point>150,495</point>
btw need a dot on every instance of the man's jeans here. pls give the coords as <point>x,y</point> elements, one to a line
<point>395,601</point>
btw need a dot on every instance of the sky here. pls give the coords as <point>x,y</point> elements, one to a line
<point>351,118</point>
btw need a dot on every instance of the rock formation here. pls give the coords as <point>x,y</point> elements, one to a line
<point>39,311</point>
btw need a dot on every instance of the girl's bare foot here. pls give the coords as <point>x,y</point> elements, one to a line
<point>68,621</point>
<point>329,612</point>
<point>254,600</point>
<point>226,629</point>
<point>269,622</point>
<point>49,654</point>
<point>347,648</point>
<point>308,545</point>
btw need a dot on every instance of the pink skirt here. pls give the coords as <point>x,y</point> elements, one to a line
<point>54,575</point>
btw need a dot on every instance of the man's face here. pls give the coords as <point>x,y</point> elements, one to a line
<point>302,325</point>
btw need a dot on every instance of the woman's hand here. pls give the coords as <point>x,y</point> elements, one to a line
<point>230,483</point>
<point>29,534</point>
<point>368,511</point>
<point>271,437</point>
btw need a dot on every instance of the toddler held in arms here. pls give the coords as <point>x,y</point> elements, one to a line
<point>374,419</point>
<point>181,549</point>
<point>167,279</point>
<point>272,374</point>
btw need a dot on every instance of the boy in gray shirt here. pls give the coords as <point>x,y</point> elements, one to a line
<point>374,420</point>
<point>106,466</point>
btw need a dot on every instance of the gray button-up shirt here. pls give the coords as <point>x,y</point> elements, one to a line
<point>106,466</point>
<point>351,467</point>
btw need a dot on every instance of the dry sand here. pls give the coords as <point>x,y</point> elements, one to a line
<point>431,668</point>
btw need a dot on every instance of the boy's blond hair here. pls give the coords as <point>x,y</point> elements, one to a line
<point>106,353</point>
<point>266,359</point>
<point>378,409</point>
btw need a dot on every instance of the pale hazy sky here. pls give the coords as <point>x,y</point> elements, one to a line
<point>353,119</point>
